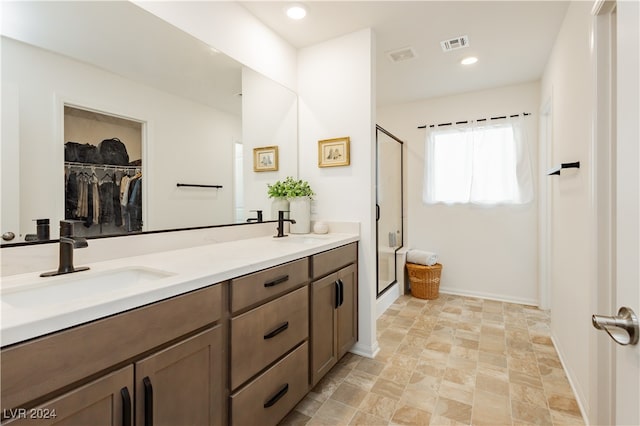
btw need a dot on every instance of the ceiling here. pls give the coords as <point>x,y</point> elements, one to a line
<point>512,40</point>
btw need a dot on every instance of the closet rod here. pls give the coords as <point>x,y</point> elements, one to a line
<point>197,185</point>
<point>480,119</point>
<point>100,166</point>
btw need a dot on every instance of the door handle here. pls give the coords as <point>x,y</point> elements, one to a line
<point>623,328</point>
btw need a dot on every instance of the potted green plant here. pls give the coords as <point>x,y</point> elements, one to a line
<point>295,196</point>
<point>278,193</point>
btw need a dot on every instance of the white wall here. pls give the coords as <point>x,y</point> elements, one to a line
<point>567,81</point>
<point>230,28</point>
<point>336,96</point>
<point>186,142</point>
<point>486,252</point>
<point>274,123</point>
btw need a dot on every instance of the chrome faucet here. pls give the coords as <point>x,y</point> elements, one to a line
<point>67,244</point>
<point>256,219</point>
<point>281,221</point>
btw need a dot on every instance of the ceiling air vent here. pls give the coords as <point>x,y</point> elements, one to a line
<point>400,55</point>
<point>455,43</point>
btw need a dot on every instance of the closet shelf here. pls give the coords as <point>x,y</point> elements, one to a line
<point>556,170</point>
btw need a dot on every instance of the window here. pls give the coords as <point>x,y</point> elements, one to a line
<point>480,164</point>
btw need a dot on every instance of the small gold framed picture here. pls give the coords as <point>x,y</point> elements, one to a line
<point>333,152</point>
<point>265,159</point>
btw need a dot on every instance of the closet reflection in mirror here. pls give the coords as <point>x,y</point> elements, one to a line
<point>196,106</point>
<point>103,173</point>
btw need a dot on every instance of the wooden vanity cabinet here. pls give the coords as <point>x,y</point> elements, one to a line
<point>241,352</point>
<point>269,332</point>
<point>334,314</point>
<point>81,371</point>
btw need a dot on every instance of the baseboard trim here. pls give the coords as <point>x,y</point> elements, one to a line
<point>579,397</point>
<point>366,351</point>
<point>489,296</point>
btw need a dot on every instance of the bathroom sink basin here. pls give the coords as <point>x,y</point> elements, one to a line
<point>305,238</point>
<point>78,286</point>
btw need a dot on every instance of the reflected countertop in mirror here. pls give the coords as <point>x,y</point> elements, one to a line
<point>202,113</point>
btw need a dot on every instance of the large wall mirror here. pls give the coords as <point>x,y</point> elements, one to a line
<point>200,115</point>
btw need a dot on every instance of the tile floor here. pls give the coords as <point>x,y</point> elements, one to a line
<point>454,360</point>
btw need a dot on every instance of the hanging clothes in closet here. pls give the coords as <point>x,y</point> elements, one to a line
<point>104,195</point>
<point>131,202</point>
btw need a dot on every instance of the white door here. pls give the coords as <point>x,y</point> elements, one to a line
<point>627,362</point>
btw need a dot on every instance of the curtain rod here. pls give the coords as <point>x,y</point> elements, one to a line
<point>480,119</point>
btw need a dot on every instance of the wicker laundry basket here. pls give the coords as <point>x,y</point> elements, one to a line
<point>425,280</point>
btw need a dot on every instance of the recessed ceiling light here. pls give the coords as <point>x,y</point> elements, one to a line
<point>470,60</point>
<point>296,11</point>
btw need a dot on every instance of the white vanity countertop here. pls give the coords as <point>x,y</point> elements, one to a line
<point>50,304</point>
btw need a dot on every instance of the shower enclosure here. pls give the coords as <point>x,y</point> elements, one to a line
<point>389,210</point>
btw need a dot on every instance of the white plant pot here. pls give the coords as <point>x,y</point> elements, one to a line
<point>279,203</point>
<point>300,211</point>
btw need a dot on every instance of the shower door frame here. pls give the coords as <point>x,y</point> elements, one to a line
<point>377,207</point>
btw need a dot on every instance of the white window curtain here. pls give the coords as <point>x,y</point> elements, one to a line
<point>478,163</point>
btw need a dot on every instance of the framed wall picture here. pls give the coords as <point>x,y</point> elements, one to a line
<point>333,152</point>
<point>265,159</point>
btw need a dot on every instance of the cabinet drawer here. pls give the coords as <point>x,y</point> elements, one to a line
<point>254,288</point>
<point>332,260</point>
<point>268,398</point>
<point>82,351</point>
<point>262,335</point>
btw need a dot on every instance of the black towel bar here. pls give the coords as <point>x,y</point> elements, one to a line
<point>556,170</point>
<point>197,185</point>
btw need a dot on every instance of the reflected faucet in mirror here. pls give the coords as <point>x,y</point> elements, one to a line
<point>256,219</point>
<point>42,231</point>
<point>67,244</point>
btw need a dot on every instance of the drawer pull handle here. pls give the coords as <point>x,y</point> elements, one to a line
<point>126,406</point>
<point>277,330</point>
<point>277,396</point>
<point>276,281</point>
<point>148,402</point>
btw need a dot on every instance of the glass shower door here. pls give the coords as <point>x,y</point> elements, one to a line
<point>389,231</point>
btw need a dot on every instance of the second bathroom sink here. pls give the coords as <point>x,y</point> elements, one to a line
<point>84,285</point>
